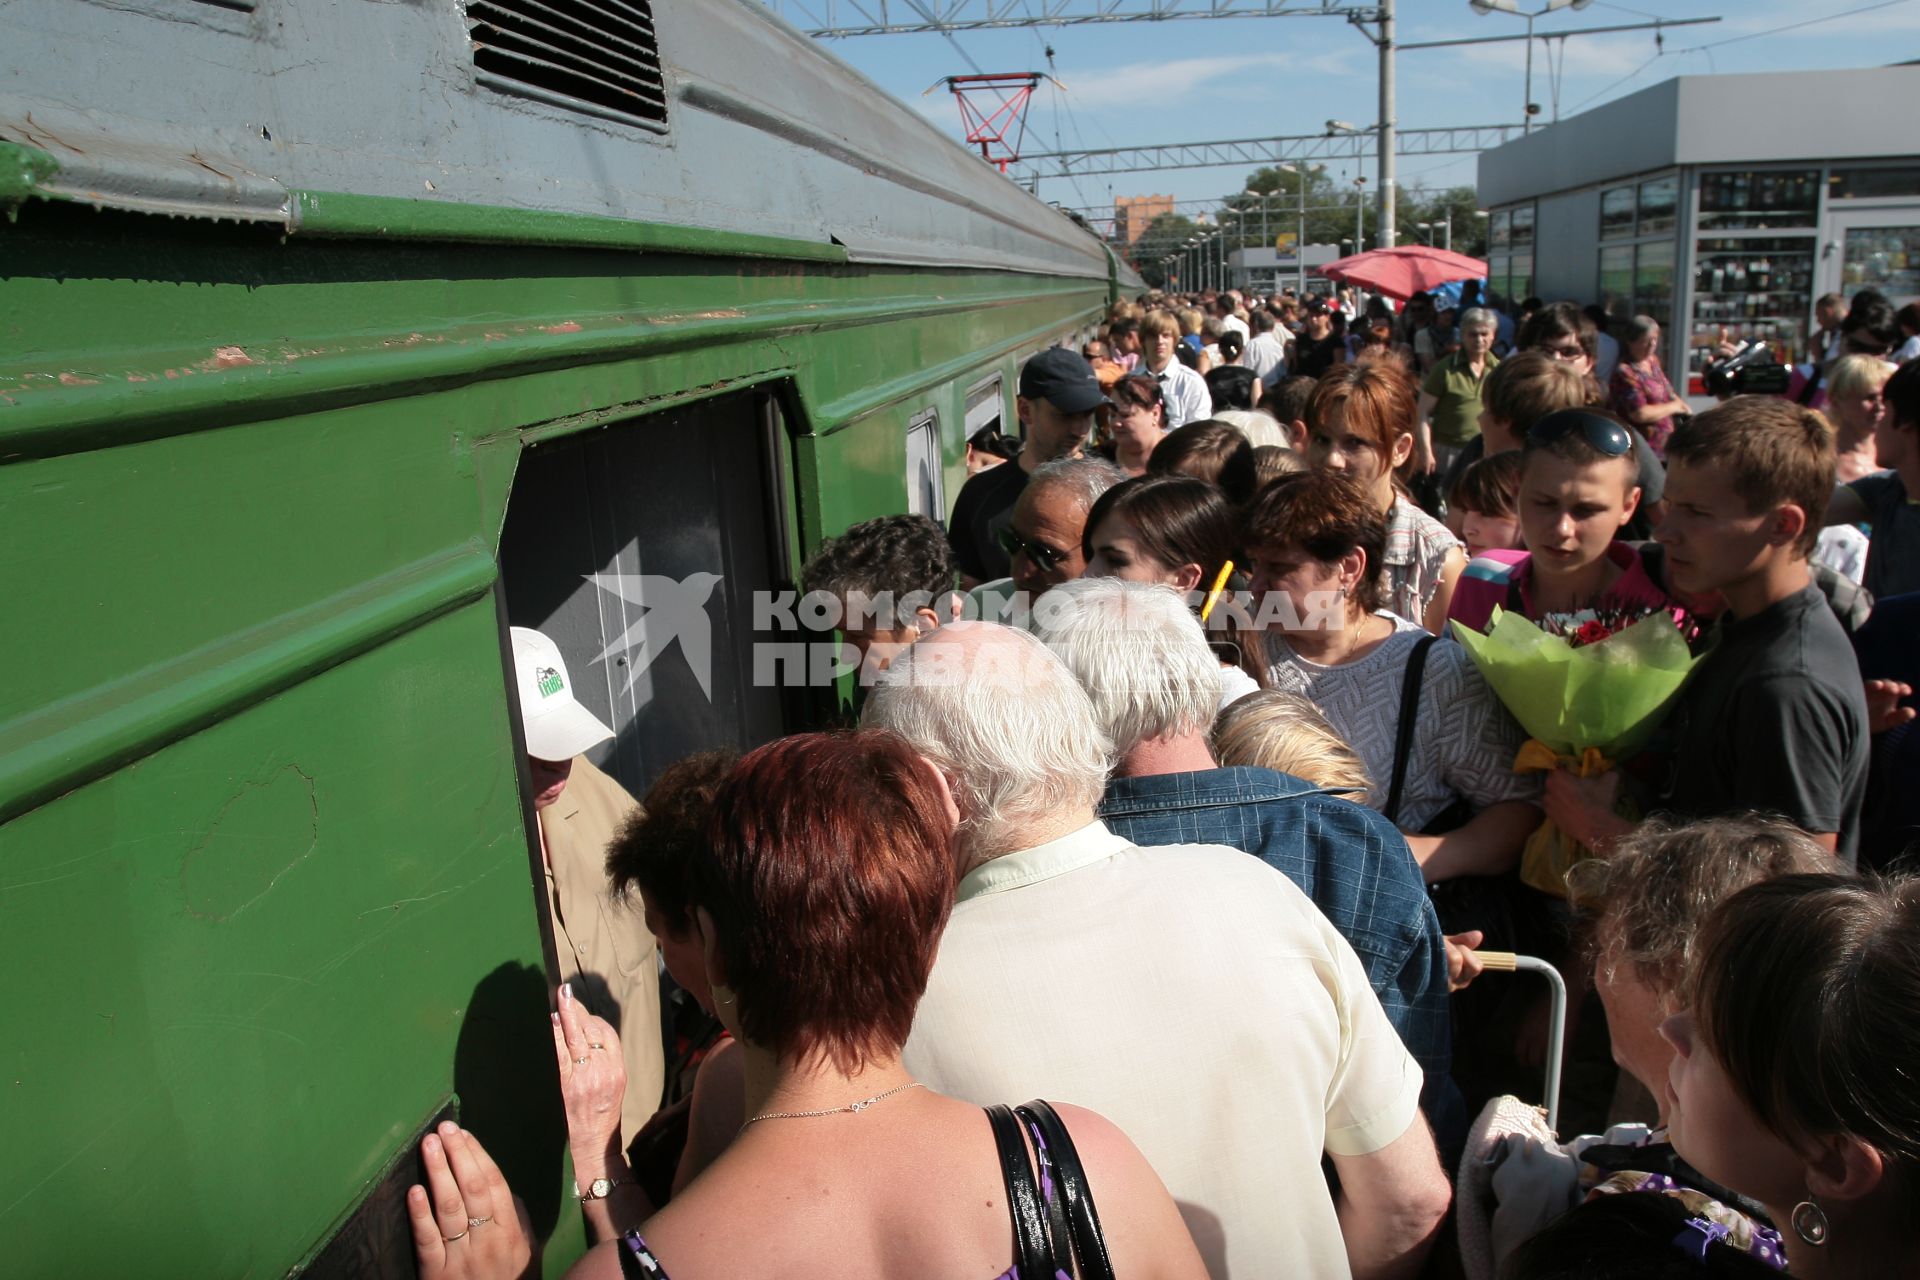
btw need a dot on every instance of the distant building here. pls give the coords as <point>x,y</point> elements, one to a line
<point>1720,205</point>
<point>1133,214</point>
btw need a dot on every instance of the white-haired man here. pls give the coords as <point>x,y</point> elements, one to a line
<point>1192,994</point>
<point>1143,659</point>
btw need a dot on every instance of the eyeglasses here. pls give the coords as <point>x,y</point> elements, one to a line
<point>1039,552</point>
<point>1572,352</point>
<point>1603,434</point>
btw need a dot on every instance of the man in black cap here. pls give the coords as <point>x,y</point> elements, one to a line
<point>1319,348</point>
<point>1058,394</point>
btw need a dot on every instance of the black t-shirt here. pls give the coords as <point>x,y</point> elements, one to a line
<point>983,509</point>
<point>1775,719</point>
<point>1311,359</point>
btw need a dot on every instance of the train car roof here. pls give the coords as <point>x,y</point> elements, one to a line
<point>708,115</point>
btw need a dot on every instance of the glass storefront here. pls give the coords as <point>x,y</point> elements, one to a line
<point>1759,201</point>
<point>1510,253</point>
<point>1751,288</point>
<point>1883,258</point>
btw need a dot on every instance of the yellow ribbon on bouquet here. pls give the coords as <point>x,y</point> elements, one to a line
<point>1550,852</point>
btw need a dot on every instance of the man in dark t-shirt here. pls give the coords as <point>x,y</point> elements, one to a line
<point>1057,397</point>
<point>1775,716</point>
<point>1318,350</point>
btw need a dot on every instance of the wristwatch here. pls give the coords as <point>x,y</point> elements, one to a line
<point>600,1188</point>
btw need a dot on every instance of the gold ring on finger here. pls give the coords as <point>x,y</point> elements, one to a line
<point>592,1045</point>
<point>461,1236</point>
<point>478,1222</point>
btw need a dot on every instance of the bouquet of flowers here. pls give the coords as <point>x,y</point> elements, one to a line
<point>1589,688</point>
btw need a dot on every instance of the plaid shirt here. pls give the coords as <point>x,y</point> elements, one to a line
<point>1353,864</point>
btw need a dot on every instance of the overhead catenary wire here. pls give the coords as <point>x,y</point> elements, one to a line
<point>1794,26</point>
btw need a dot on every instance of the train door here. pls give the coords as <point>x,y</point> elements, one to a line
<point>638,549</point>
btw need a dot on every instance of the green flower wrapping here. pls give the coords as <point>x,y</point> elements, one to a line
<point>1578,701</point>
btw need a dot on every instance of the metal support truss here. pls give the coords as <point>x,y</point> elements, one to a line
<point>1254,152</point>
<point>838,18</point>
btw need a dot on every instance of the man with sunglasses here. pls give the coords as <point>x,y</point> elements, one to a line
<point>1045,540</point>
<point>1057,398</point>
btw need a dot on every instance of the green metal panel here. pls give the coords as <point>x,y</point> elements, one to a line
<point>264,887</point>
<point>239,969</point>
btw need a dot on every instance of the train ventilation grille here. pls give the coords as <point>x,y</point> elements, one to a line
<point>598,56</point>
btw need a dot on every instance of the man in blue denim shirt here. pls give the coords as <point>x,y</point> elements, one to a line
<point>1155,686</point>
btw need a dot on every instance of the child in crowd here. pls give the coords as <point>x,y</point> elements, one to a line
<point>1775,716</point>
<point>1485,496</point>
<point>1517,393</point>
<point>1578,489</point>
<point>1287,402</point>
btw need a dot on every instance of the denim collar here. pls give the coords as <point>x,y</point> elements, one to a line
<point>1202,789</point>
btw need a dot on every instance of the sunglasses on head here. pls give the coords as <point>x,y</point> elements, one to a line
<point>1039,552</point>
<point>1603,434</point>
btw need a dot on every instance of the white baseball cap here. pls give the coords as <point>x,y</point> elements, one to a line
<point>557,727</point>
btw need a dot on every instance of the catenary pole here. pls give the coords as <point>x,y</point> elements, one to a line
<point>1388,212</point>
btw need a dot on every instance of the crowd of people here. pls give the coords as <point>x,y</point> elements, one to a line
<point>1142,925</point>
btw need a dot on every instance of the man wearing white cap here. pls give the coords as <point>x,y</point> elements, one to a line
<point>604,948</point>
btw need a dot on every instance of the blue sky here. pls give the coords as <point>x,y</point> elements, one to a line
<point>1185,81</point>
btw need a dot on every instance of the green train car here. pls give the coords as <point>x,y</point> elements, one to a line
<point>333,339</point>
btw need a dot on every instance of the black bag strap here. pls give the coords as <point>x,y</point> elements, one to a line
<point>1056,1146</point>
<point>1403,732</point>
<point>1033,1252</point>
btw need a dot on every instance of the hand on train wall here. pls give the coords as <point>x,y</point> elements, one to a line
<point>467,1225</point>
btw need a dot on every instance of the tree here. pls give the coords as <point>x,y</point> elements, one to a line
<point>1460,204</point>
<point>1166,234</point>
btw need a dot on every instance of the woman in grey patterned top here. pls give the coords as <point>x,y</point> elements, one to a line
<point>1315,539</point>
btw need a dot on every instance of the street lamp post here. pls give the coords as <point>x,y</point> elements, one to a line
<point>1300,230</point>
<point>1485,7</point>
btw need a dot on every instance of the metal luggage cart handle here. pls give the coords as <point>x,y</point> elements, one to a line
<point>1508,962</point>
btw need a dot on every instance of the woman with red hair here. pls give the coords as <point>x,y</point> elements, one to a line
<point>1363,418</point>
<point>831,877</point>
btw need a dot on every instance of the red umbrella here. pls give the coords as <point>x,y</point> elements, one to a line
<point>1405,270</point>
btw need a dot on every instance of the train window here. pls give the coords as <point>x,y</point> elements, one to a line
<point>597,56</point>
<point>926,485</point>
<point>984,407</point>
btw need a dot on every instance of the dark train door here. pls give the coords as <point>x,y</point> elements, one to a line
<point>638,549</point>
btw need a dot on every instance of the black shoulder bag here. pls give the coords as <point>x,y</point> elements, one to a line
<point>1464,902</point>
<point>1057,1233</point>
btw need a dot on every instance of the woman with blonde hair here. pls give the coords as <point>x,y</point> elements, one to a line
<point>1856,405</point>
<point>1285,732</point>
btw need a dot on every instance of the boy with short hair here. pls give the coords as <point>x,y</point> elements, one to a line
<point>1774,717</point>
<point>1527,387</point>
<point>1288,402</point>
<point>1579,487</point>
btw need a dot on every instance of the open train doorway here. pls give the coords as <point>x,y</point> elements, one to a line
<point>638,549</point>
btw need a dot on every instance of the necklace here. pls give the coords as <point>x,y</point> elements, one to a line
<point>855,1107</point>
